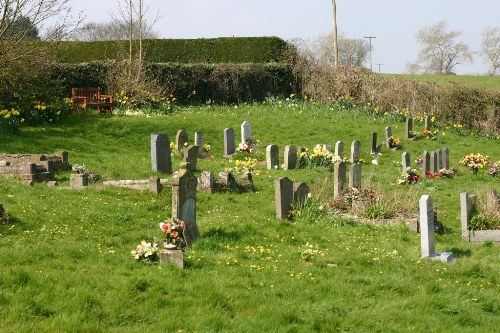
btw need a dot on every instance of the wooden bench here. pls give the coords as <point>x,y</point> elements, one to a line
<point>90,97</point>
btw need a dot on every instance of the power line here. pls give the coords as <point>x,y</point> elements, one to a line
<point>370,38</point>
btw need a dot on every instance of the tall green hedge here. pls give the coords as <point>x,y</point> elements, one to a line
<point>214,50</point>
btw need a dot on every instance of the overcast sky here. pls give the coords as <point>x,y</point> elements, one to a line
<point>394,23</point>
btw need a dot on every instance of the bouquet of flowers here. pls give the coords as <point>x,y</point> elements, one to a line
<point>409,177</point>
<point>475,161</point>
<point>174,231</point>
<point>394,142</point>
<point>248,146</point>
<point>495,169</point>
<point>145,252</point>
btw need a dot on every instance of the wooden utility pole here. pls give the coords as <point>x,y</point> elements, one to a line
<point>370,38</point>
<point>335,45</point>
<point>379,66</point>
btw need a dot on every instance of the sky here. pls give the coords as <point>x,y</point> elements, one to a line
<point>394,23</point>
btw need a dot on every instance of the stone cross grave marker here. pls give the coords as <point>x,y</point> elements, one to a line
<point>184,186</point>
<point>355,151</point>
<point>283,196</point>
<point>426,163</point>
<point>409,128</point>
<point>434,163</point>
<point>229,142</point>
<point>181,138</point>
<point>300,194</point>
<point>191,156</point>
<point>388,134</point>
<point>290,161</point>
<point>161,160</point>
<point>339,178</point>
<point>374,147</point>
<point>445,159</point>
<point>246,132</point>
<point>405,159</point>
<point>272,157</point>
<point>355,175</point>
<point>339,149</point>
<point>427,232</point>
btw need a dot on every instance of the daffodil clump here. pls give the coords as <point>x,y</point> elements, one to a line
<point>10,120</point>
<point>319,157</point>
<point>247,165</point>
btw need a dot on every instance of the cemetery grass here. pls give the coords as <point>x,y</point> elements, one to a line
<point>65,254</point>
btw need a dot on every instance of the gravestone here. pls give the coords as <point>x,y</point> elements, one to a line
<point>175,256</point>
<point>181,139</point>
<point>161,160</point>
<point>467,205</point>
<point>227,180</point>
<point>426,163</point>
<point>300,194</point>
<point>339,170</point>
<point>154,184</point>
<point>440,158</point>
<point>206,181</point>
<point>290,157</point>
<point>339,149</point>
<point>445,158</point>
<point>198,141</point>
<point>229,142</point>
<point>409,128</point>
<point>374,147</point>
<point>191,156</point>
<point>405,159</point>
<point>283,197</point>
<point>184,185</point>
<point>272,157</point>
<point>246,132</point>
<point>355,151</point>
<point>355,176</point>
<point>427,123</point>
<point>434,163</point>
<point>426,222</point>
<point>388,134</point>
<point>328,148</point>
<point>78,180</point>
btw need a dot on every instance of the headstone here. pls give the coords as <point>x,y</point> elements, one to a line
<point>246,132</point>
<point>184,186</point>
<point>374,147</point>
<point>154,185</point>
<point>467,205</point>
<point>161,160</point>
<point>229,146</point>
<point>405,159</point>
<point>246,182</point>
<point>191,156</point>
<point>446,158</point>
<point>427,123</point>
<point>328,148</point>
<point>427,232</point>
<point>388,134</point>
<point>283,196</point>
<point>227,180</point>
<point>355,176</point>
<point>434,163</point>
<point>272,157</point>
<point>198,141</point>
<point>181,138</point>
<point>78,180</point>
<point>440,158</point>
<point>339,149</point>
<point>426,163</point>
<point>492,201</point>
<point>339,170</point>
<point>409,128</point>
<point>175,256</point>
<point>355,151</point>
<point>300,194</point>
<point>206,181</point>
<point>290,161</point>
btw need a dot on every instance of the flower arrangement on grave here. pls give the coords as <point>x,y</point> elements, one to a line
<point>495,169</point>
<point>394,142</point>
<point>78,168</point>
<point>249,146</point>
<point>419,160</point>
<point>442,173</point>
<point>428,134</point>
<point>475,162</point>
<point>174,231</point>
<point>146,252</point>
<point>375,157</point>
<point>408,177</point>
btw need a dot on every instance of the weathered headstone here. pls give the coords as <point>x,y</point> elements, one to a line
<point>246,132</point>
<point>290,160</point>
<point>206,181</point>
<point>184,185</point>
<point>198,141</point>
<point>229,142</point>
<point>426,163</point>
<point>227,180</point>
<point>427,232</point>
<point>300,194</point>
<point>355,176</point>
<point>283,196</point>
<point>272,157</point>
<point>374,147</point>
<point>181,139</point>
<point>405,160</point>
<point>427,123</point>
<point>161,160</point>
<point>445,158</point>
<point>175,256</point>
<point>388,134</point>
<point>191,156</point>
<point>78,180</point>
<point>339,149</point>
<point>154,184</point>
<point>339,178</point>
<point>409,128</point>
<point>355,151</point>
<point>434,163</point>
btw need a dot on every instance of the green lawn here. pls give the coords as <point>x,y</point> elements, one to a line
<point>489,82</point>
<point>65,254</point>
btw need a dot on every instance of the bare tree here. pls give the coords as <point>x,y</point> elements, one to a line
<point>490,48</point>
<point>440,50</point>
<point>111,31</point>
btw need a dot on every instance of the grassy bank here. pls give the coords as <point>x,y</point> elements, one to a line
<point>475,81</point>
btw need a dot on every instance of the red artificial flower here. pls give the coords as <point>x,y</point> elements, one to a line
<point>174,234</point>
<point>428,174</point>
<point>165,227</point>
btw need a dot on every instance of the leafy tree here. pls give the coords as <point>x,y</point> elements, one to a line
<point>490,48</point>
<point>440,50</point>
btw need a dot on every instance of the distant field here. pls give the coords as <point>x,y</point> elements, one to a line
<point>490,82</point>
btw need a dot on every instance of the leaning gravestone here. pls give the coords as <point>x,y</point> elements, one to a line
<point>181,139</point>
<point>161,160</point>
<point>229,142</point>
<point>355,151</point>
<point>184,186</point>
<point>300,194</point>
<point>272,157</point>
<point>409,128</point>
<point>405,159</point>
<point>388,134</point>
<point>246,132</point>
<point>290,161</point>
<point>427,232</point>
<point>191,156</point>
<point>339,149</point>
<point>339,178</point>
<point>283,196</point>
<point>355,176</point>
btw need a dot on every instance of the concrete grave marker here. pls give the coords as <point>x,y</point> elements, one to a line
<point>405,159</point>
<point>184,186</point>
<point>388,134</point>
<point>290,161</point>
<point>492,200</point>
<point>355,176</point>
<point>339,178</point>
<point>355,151</point>
<point>272,157</point>
<point>434,163</point>
<point>426,163</point>
<point>181,139</point>
<point>191,156</point>
<point>229,142</point>
<point>246,132</point>
<point>154,184</point>
<point>440,158</point>
<point>409,128</point>
<point>445,160</point>
<point>283,196</point>
<point>161,160</point>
